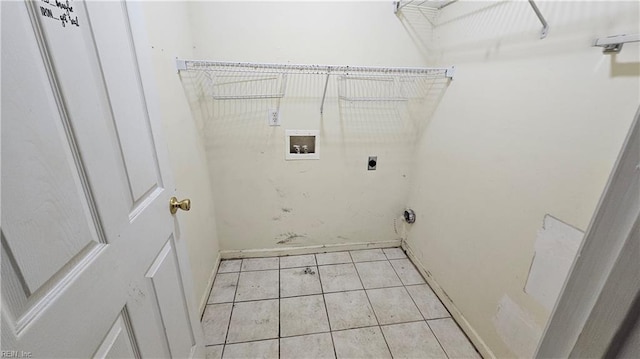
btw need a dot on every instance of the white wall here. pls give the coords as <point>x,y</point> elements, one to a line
<point>261,199</point>
<point>170,36</point>
<point>529,127</point>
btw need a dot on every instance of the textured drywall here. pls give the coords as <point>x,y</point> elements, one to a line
<point>528,127</point>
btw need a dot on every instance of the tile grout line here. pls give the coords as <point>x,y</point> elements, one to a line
<point>427,320</point>
<point>438,340</point>
<point>323,332</point>
<point>414,303</point>
<point>371,305</point>
<point>312,294</point>
<point>376,325</point>
<point>226,337</point>
<point>409,293</point>
<point>326,310</point>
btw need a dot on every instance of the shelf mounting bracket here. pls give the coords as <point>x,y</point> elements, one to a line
<point>613,44</point>
<point>545,24</point>
<point>324,93</point>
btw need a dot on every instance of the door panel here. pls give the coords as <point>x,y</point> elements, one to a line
<point>85,199</point>
<point>165,276</point>
<point>119,66</point>
<point>119,341</point>
<point>45,191</point>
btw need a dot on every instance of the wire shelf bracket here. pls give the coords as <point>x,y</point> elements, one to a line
<point>545,24</point>
<point>232,86</point>
<point>180,65</point>
<point>613,44</point>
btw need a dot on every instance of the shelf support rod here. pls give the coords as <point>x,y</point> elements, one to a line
<point>446,4</point>
<point>324,93</point>
<point>545,25</point>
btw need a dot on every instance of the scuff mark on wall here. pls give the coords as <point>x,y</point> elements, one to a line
<point>288,237</point>
<point>556,247</point>
<point>517,328</point>
<point>287,210</point>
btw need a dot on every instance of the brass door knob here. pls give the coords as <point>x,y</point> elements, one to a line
<point>174,204</point>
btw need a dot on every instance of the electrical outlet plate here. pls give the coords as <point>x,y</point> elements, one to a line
<point>273,117</point>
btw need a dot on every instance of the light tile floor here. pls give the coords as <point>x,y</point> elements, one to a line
<point>360,304</point>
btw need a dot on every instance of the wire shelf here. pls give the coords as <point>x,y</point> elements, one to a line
<point>430,10</point>
<point>191,65</point>
<point>246,81</point>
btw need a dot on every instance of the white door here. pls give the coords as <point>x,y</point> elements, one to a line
<point>91,264</point>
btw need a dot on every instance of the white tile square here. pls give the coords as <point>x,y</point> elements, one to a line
<point>407,272</point>
<point>412,340</point>
<point>230,265</point>
<point>333,258</point>
<point>367,255</point>
<point>253,321</point>
<point>339,277</point>
<point>349,310</point>
<point>427,302</point>
<point>393,305</point>
<point>260,264</point>
<point>452,339</point>
<point>360,343</point>
<point>297,261</point>
<point>215,322</point>
<point>394,253</point>
<point>265,349</point>
<point>224,288</point>
<point>257,285</point>
<point>299,281</point>
<point>213,352</point>
<point>316,346</point>
<point>377,274</point>
<point>303,315</point>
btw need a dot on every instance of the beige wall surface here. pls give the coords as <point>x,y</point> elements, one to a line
<point>528,127</point>
<point>263,201</point>
<point>170,36</point>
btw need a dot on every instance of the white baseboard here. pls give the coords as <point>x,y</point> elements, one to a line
<point>275,252</point>
<point>205,296</point>
<point>444,298</point>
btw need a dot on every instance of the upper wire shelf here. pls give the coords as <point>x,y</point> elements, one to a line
<point>186,65</point>
<point>432,7</point>
<point>244,80</point>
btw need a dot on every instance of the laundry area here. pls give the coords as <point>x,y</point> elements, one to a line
<point>318,179</point>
